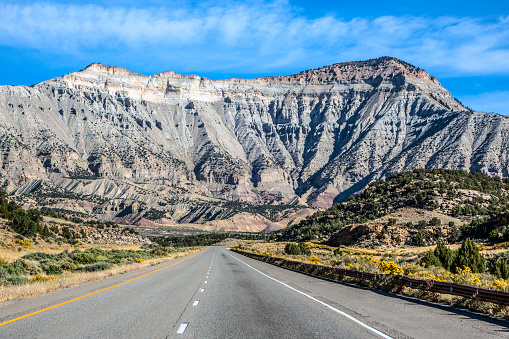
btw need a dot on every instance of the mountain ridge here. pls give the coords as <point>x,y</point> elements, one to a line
<point>307,139</point>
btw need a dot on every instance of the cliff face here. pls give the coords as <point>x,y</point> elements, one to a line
<point>309,138</point>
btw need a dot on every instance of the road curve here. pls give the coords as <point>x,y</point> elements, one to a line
<point>220,294</point>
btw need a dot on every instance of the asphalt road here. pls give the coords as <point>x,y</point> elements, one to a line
<point>219,294</point>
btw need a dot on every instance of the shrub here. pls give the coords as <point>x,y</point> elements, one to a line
<point>37,256</point>
<point>17,280</point>
<point>304,249</point>
<point>42,278</point>
<point>500,268</point>
<point>445,255</point>
<point>51,269</point>
<point>22,224</point>
<point>392,221</point>
<point>300,249</point>
<point>292,249</point>
<point>430,259</point>
<point>98,266</point>
<point>29,267</point>
<point>14,268</point>
<point>469,256</point>
<point>388,267</point>
<point>83,257</point>
<point>435,221</point>
<point>454,234</point>
<point>420,238</point>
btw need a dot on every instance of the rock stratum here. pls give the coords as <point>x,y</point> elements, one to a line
<point>187,149</point>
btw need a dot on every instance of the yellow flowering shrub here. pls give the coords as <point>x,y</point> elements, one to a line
<point>465,276</point>
<point>140,260</point>
<point>388,267</point>
<point>42,278</point>
<point>315,260</point>
<point>500,284</point>
<point>353,266</point>
<point>501,245</point>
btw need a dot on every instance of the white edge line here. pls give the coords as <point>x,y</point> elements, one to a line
<point>182,328</point>
<point>383,335</point>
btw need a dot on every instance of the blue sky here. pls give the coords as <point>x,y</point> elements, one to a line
<point>463,43</point>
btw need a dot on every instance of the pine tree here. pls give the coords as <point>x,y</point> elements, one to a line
<point>445,255</point>
<point>468,255</point>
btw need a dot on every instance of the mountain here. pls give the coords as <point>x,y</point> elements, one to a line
<point>118,144</point>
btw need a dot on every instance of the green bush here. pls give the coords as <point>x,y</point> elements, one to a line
<point>500,268</point>
<point>435,221</point>
<point>22,224</point>
<point>29,267</point>
<point>304,249</point>
<point>83,257</point>
<point>17,280</point>
<point>7,279</point>
<point>300,249</point>
<point>51,269</point>
<point>14,268</point>
<point>430,259</point>
<point>469,255</point>
<point>420,237</point>
<point>37,256</point>
<point>445,255</point>
<point>98,266</point>
<point>292,249</point>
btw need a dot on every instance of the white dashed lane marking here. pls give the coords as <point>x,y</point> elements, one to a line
<point>196,302</point>
<point>182,328</point>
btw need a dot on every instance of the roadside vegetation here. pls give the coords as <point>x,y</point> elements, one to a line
<point>45,250</point>
<point>38,273</point>
<point>466,264</point>
<point>41,266</point>
<point>440,263</point>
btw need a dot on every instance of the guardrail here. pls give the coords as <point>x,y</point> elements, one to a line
<point>471,292</point>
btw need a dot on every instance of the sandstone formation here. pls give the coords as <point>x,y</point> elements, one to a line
<point>184,145</point>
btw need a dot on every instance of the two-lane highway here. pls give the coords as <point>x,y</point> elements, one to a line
<point>220,294</point>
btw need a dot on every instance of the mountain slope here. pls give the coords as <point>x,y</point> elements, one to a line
<point>415,207</point>
<point>310,138</point>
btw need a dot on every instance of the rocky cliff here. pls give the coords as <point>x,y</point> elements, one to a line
<point>168,139</point>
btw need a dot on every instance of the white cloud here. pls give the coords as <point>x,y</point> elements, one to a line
<point>261,37</point>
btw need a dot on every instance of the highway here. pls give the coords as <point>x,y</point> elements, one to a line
<point>220,294</point>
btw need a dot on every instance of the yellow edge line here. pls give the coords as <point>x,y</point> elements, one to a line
<point>86,295</point>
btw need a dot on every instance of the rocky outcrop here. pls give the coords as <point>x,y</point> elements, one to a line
<point>311,138</point>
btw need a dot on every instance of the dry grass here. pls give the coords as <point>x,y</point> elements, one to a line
<point>69,279</point>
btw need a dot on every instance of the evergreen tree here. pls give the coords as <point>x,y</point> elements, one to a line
<point>469,255</point>
<point>445,255</point>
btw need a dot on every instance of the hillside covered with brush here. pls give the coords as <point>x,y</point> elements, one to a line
<point>418,207</point>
